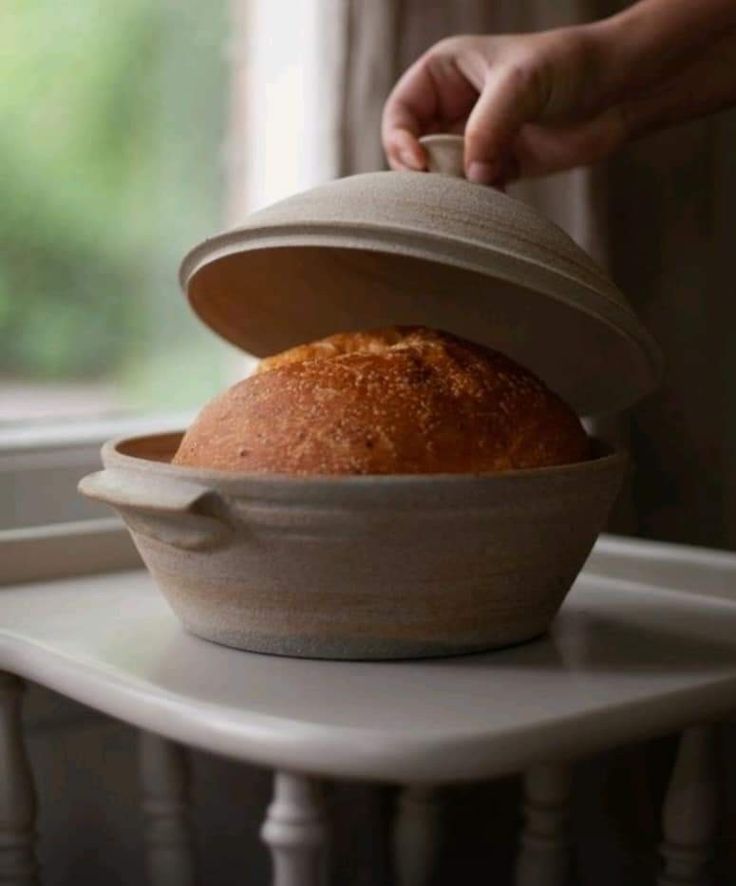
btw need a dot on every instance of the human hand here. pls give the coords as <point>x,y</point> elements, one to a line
<point>533,104</point>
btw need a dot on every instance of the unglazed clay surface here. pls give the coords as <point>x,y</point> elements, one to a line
<point>359,567</point>
<point>391,566</point>
<point>393,248</point>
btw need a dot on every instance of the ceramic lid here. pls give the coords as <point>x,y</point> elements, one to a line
<point>388,248</point>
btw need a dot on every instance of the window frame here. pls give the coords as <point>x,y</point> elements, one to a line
<point>47,530</point>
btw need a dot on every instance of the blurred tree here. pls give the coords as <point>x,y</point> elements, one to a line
<point>112,118</point>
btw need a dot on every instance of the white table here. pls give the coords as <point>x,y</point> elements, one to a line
<point>645,645</point>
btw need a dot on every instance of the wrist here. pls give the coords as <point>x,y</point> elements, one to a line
<point>614,58</point>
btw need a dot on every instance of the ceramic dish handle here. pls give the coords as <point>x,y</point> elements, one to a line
<point>176,512</point>
<point>445,154</point>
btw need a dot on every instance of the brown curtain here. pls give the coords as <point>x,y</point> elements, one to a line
<point>662,216</point>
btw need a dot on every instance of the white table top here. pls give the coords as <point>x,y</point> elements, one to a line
<point>646,643</point>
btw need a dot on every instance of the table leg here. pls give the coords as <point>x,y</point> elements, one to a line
<point>295,830</point>
<point>164,769</point>
<point>18,866</point>
<point>689,815</point>
<point>544,854</point>
<point>416,835</point>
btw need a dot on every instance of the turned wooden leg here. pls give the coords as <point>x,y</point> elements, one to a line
<point>544,854</point>
<point>689,815</point>
<point>416,835</point>
<point>295,830</point>
<point>18,865</point>
<point>164,768</point>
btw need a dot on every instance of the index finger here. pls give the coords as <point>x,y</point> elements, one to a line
<point>434,95</point>
<point>409,110</point>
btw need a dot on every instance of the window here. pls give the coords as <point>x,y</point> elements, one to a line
<point>131,130</point>
<point>113,118</point>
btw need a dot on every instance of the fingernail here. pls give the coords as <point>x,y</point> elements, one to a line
<point>482,173</point>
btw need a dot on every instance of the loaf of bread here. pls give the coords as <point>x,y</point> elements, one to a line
<point>403,400</point>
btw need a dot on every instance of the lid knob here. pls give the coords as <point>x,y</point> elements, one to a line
<point>445,154</point>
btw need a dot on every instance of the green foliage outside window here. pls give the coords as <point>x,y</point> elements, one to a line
<point>111,126</point>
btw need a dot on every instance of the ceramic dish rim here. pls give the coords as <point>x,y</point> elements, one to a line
<point>114,459</point>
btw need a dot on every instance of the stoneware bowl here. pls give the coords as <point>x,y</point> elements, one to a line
<point>402,566</point>
<point>358,567</point>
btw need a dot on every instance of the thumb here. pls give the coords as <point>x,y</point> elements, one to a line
<point>509,100</point>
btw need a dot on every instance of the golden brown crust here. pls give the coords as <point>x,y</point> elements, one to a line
<point>375,341</point>
<point>395,401</point>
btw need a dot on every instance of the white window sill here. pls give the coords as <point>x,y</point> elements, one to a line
<point>85,547</point>
<point>41,464</point>
<point>26,438</point>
